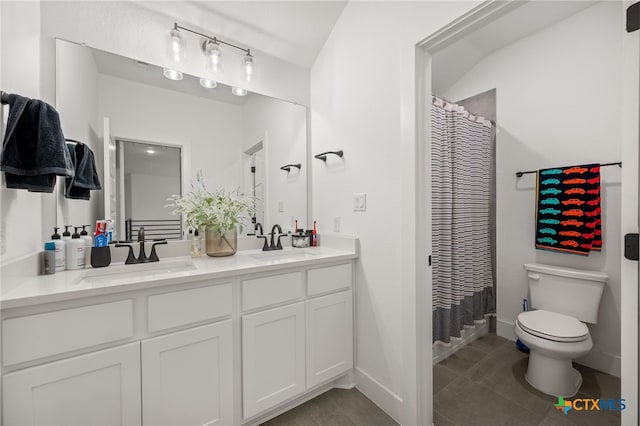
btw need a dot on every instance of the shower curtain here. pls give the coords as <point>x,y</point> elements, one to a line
<point>462,277</point>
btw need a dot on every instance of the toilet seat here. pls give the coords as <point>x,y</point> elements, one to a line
<point>552,326</point>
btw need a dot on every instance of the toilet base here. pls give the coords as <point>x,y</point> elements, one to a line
<point>555,377</point>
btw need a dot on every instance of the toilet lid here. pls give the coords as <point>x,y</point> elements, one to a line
<point>553,326</point>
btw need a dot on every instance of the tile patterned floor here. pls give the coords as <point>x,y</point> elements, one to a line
<point>483,384</point>
<point>337,407</point>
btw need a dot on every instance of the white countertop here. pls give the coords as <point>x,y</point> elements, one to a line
<point>117,277</point>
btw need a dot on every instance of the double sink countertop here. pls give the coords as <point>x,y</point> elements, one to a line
<point>118,277</point>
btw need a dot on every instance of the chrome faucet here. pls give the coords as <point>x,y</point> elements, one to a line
<point>142,256</point>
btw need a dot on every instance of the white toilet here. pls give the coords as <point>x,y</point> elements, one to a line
<point>562,298</point>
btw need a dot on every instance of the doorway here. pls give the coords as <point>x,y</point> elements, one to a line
<point>519,155</point>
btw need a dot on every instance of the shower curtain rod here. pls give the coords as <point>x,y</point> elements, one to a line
<point>619,163</point>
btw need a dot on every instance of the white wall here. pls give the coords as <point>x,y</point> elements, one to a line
<point>77,104</point>
<point>21,220</point>
<point>212,129</point>
<point>557,93</point>
<point>286,129</point>
<point>363,101</point>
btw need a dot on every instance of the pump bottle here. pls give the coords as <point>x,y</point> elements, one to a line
<point>88,241</point>
<point>61,252</point>
<point>75,251</point>
<point>66,235</point>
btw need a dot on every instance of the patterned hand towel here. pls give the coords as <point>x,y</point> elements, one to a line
<point>568,215</point>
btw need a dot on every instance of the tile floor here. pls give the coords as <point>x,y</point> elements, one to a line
<point>481,385</point>
<point>337,407</point>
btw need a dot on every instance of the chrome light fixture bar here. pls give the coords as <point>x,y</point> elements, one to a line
<point>211,49</point>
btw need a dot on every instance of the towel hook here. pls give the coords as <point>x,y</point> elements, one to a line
<point>287,168</point>
<point>323,156</point>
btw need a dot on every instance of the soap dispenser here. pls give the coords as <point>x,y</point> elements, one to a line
<point>66,235</point>
<point>75,251</point>
<point>61,252</point>
<point>88,241</point>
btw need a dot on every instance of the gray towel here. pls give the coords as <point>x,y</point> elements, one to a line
<point>86,177</point>
<point>34,150</point>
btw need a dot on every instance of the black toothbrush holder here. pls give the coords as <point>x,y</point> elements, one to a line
<point>100,256</point>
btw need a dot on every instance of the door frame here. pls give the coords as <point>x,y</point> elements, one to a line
<point>477,17</point>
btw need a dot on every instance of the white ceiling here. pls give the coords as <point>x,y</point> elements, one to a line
<point>456,59</point>
<point>293,31</point>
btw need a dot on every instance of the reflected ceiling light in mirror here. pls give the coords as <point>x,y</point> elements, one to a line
<point>212,51</point>
<point>248,72</point>
<point>172,74</point>
<point>177,49</point>
<point>214,56</point>
<point>238,91</point>
<point>150,151</point>
<point>208,84</point>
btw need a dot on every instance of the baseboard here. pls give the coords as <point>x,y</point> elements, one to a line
<point>505,329</point>
<point>383,397</point>
<point>602,361</point>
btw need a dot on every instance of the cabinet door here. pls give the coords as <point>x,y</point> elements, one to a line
<point>101,388</point>
<point>187,377</point>
<point>272,357</point>
<point>329,337</point>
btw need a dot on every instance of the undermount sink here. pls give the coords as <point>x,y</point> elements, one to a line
<point>284,255</point>
<point>153,269</point>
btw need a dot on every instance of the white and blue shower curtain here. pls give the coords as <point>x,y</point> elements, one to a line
<point>462,190</point>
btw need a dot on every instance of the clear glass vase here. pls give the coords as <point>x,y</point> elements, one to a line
<point>218,244</point>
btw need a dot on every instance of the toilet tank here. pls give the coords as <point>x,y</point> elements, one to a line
<point>572,292</point>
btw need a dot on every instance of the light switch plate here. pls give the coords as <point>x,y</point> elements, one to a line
<point>336,224</point>
<point>280,206</point>
<point>360,202</point>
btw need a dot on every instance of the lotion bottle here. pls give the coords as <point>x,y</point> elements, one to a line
<point>66,235</point>
<point>75,251</point>
<point>61,252</point>
<point>88,241</point>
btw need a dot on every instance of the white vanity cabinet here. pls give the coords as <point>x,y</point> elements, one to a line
<point>99,388</point>
<point>224,350</point>
<point>187,377</point>
<point>289,349</point>
<point>273,357</point>
<point>329,339</point>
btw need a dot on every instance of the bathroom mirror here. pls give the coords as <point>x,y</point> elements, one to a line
<point>124,110</point>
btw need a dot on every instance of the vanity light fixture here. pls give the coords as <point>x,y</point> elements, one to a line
<point>176,45</point>
<point>212,51</point>
<point>238,91</point>
<point>172,74</point>
<point>208,84</point>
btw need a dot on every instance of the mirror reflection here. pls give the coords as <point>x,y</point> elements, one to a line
<point>151,135</point>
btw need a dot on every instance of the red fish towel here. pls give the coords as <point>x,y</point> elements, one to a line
<point>568,215</point>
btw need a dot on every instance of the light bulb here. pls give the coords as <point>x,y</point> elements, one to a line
<point>214,57</point>
<point>176,48</point>
<point>172,74</point>
<point>209,84</point>
<point>238,91</point>
<point>150,151</point>
<point>248,71</point>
